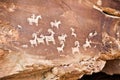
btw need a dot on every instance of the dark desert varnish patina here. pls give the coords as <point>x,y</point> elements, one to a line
<point>57,39</point>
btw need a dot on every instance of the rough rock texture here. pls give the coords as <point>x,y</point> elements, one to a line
<point>57,39</point>
<point>112,67</point>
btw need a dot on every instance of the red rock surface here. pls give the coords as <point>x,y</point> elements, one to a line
<point>57,39</point>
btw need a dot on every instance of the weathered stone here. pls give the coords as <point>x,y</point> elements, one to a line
<point>112,67</point>
<point>57,39</point>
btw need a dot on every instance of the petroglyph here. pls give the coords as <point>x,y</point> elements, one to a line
<point>55,24</point>
<point>62,37</point>
<point>92,34</point>
<point>41,39</point>
<point>87,44</point>
<point>34,41</point>
<point>34,19</point>
<point>73,32</point>
<point>76,48</point>
<point>60,49</point>
<point>50,38</point>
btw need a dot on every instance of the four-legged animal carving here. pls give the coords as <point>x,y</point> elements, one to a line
<point>34,19</point>
<point>41,39</point>
<point>73,32</point>
<point>55,24</point>
<point>62,37</point>
<point>60,49</point>
<point>87,44</point>
<point>76,49</point>
<point>50,38</point>
<point>34,41</point>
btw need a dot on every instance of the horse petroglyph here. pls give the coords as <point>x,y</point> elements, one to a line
<point>76,48</point>
<point>60,49</point>
<point>55,24</point>
<point>50,38</point>
<point>73,32</point>
<point>34,19</point>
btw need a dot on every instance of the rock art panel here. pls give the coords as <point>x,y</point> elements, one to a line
<point>57,39</point>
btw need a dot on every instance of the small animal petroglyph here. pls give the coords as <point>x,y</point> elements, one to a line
<point>60,49</point>
<point>41,39</point>
<point>50,38</point>
<point>62,37</point>
<point>92,34</point>
<point>34,41</point>
<point>73,32</point>
<point>87,44</point>
<point>76,48</point>
<point>55,24</point>
<point>34,19</point>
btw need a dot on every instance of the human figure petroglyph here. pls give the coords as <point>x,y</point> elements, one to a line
<point>76,48</point>
<point>55,24</point>
<point>62,37</point>
<point>41,39</point>
<point>50,38</point>
<point>60,49</point>
<point>34,41</point>
<point>87,44</point>
<point>34,19</point>
<point>73,32</point>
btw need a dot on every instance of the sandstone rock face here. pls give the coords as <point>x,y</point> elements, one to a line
<point>57,39</point>
<point>112,67</point>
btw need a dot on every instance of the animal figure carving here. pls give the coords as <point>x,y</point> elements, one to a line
<point>76,49</point>
<point>60,49</point>
<point>71,38</point>
<point>73,32</point>
<point>55,24</point>
<point>41,39</point>
<point>62,37</point>
<point>34,19</point>
<point>50,38</point>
